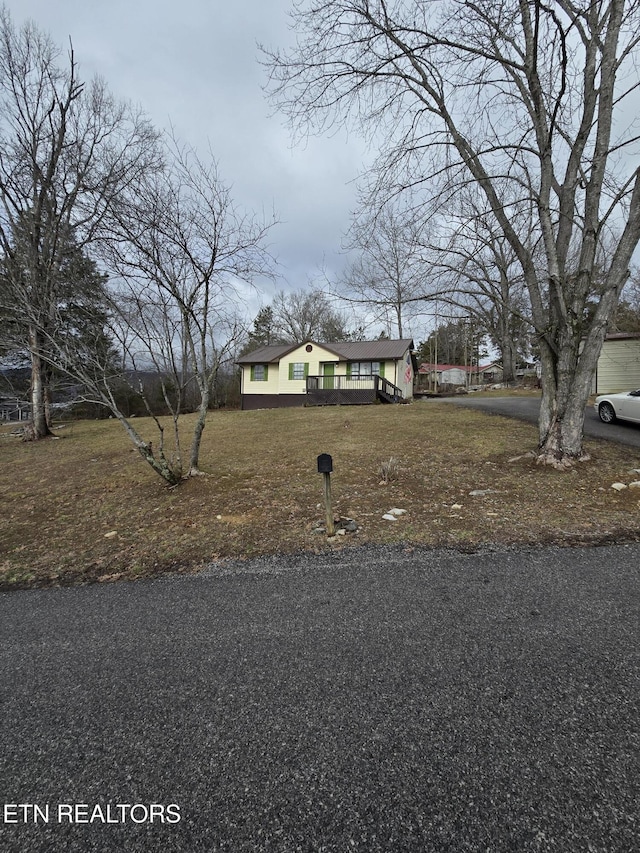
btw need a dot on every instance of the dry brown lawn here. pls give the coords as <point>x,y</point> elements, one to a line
<point>86,507</point>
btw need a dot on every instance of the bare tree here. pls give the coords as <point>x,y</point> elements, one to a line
<point>522,97</point>
<point>301,315</point>
<point>138,327</point>
<point>491,279</point>
<point>389,274</point>
<point>146,329</point>
<point>476,270</point>
<point>66,150</point>
<point>627,316</point>
<point>186,247</point>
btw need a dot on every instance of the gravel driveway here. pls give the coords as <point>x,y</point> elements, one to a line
<point>378,699</point>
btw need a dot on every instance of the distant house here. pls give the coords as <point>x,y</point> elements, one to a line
<point>458,375</point>
<point>12,409</point>
<point>618,366</point>
<point>487,374</point>
<point>314,373</point>
<point>442,374</point>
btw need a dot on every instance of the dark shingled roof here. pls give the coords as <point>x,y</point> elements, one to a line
<point>384,350</point>
<point>265,355</point>
<point>371,350</point>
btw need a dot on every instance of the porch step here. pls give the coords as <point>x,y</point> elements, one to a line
<point>387,392</point>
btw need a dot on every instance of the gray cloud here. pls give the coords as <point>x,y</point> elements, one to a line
<point>195,65</point>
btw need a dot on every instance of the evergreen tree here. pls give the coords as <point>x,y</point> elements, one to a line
<point>263,333</point>
<point>73,324</point>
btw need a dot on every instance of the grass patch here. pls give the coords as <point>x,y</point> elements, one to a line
<point>85,506</point>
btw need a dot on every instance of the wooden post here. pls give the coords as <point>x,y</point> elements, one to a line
<point>327,504</point>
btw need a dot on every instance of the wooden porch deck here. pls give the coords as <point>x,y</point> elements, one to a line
<point>351,391</point>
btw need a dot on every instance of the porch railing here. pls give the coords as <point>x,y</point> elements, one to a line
<point>375,385</point>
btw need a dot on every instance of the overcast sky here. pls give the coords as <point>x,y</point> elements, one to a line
<point>195,64</point>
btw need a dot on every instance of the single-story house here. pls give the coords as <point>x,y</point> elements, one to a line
<point>618,367</point>
<point>315,373</point>
<point>12,409</point>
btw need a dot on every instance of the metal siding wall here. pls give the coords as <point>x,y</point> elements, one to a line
<point>618,366</point>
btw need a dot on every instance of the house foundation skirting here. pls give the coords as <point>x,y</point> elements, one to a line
<point>250,402</point>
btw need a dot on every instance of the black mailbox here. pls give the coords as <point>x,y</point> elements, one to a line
<point>325,464</point>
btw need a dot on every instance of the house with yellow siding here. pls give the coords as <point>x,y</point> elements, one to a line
<point>320,374</point>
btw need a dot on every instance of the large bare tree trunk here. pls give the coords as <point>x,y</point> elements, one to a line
<point>561,425</point>
<point>47,401</point>
<point>508,362</point>
<point>38,426</point>
<point>567,377</point>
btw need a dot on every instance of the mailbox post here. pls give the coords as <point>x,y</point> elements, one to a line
<point>325,467</point>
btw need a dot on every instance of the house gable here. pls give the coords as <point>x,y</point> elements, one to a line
<point>306,359</point>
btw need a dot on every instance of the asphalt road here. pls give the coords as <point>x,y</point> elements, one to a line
<point>528,408</point>
<point>373,700</point>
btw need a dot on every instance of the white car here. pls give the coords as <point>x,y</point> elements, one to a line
<point>624,407</point>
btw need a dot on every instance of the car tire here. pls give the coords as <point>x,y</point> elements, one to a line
<point>607,413</point>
